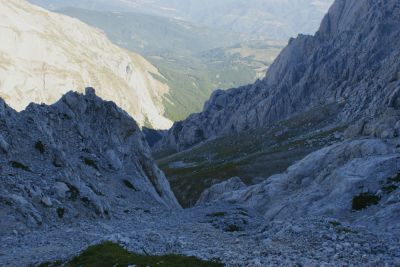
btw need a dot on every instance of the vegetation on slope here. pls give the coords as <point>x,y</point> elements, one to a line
<point>251,155</point>
<point>109,254</point>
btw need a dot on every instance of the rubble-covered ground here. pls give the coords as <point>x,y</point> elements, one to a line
<point>231,234</point>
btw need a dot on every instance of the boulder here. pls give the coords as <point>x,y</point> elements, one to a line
<point>46,201</point>
<point>60,189</point>
<point>216,191</point>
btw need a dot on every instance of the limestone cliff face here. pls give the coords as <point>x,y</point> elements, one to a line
<point>44,55</point>
<point>79,158</point>
<point>353,59</point>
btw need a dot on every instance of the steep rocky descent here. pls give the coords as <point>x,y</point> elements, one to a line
<point>79,158</point>
<point>353,59</point>
<point>43,55</point>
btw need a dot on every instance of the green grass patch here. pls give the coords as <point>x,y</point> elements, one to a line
<point>90,163</point>
<point>60,212</point>
<point>394,179</point>
<point>109,254</point>
<point>217,214</point>
<point>19,165</point>
<point>74,192</point>
<point>364,200</point>
<point>390,188</point>
<point>39,146</point>
<point>57,263</point>
<point>231,228</point>
<point>129,185</point>
<point>335,223</point>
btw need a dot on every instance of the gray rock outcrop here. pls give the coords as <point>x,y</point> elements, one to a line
<point>79,158</point>
<point>357,181</point>
<point>353,59</point>
<point>214,192</point>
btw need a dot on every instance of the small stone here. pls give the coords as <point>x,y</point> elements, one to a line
<point>297,229</point>
<point>329,250</point>
<point>346,244</point>
<point>47,201</point>
<point>4,146</point>
<point>60,189</point>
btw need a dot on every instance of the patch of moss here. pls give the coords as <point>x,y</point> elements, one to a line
<point>85,200</point>
<point>217,214</point>
<point>74,192</point>
<point>19,165</point>
<point>60,212</point>
<point>129,133</point>
<point>390,188</point>
<point>344,230</point>
<point>233,228</point>
<point>335,223</point>
<point>51,264</point>
<point>394,179</point>
<point>109,254</point>
<point>364,200</point>
<point>129,185</point>
<point>39,146</point>
<point>90,163</point>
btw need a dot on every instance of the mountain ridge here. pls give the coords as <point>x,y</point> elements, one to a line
<point>71,55</point>
<point>311,71</point>
<point>77,157</point>
<point>269,19</point>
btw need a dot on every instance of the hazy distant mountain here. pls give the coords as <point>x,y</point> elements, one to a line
<point>43,55</point>
<point>150,34</point>
<point>277,19</point>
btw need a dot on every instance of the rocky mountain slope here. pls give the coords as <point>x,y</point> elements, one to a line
<point>251,155</point>
<point>80,158</point>
<point>43,55</point>
<point>82,171</point>
<point>192,60</point>
<point>353,59</point>
<point>356,180</point>
<point>349,193</point>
